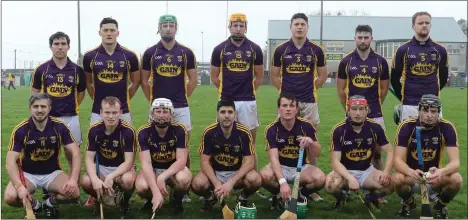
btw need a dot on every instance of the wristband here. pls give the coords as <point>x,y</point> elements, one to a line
<point>282,180</point>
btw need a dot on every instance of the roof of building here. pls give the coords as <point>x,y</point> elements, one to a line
<point>444,29</point>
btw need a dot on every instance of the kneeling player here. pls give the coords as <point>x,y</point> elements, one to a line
<point>284,138</point>
<point>226,160</point>
<point>436,135</point>
<point>163,154</point>
<point>38,140</point>
<point>111,145</point>
<point>353,142</point>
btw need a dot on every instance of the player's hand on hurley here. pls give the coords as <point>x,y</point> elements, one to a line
<point>285,191</point>
<point>416,175</point>
<point>70,188</point>
<point>161,182</point>
<point>224,191</point>
<point>23,193</point>
<point>436,176</point>
<point>384,179</point>
<point>98,186</point>
<point>157,202</point>
<point>108,184</point>
<point>304,141</point>
<point>353,184</point>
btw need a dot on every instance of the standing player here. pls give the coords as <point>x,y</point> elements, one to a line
<point>283,138</point>
<point>239,59</point>
<point>437,135</point>
<point>364,72</point>
<point>65,82</point>
<point>170,64</point>
<point>113,140</point>
<point>419,66</point>
<point>302,64</point>
<point>110,68</point>
<point>36,142</point>
<point>11,80</point>
<point>226,159</point>
<point>353,143</point>
<point>163,153</point>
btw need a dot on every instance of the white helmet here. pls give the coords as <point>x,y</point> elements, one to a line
<point>162,103</point>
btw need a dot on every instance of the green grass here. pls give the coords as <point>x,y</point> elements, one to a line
<point>202,104</point>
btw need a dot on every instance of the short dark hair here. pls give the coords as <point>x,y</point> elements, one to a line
<point>364,28</point>
<point>57,36</point>
<point>226,103</point>
<point>111,100</point>
<point>420,13</point>
<point>288,96</point>
<point>39,96</point>
<point>300,15</point>
<point>109,20</point>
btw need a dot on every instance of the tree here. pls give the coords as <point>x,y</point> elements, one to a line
<point>462,23</point>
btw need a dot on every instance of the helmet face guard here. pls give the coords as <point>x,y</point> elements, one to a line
<point>164,104</point>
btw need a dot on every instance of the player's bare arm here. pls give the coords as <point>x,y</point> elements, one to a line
<point>214,75</point>
<point>285,190</point>
<point>145,86</point>
<point>178,165</point>
<point>322,76</point>
<point>98,184</point>
<point>384,84</point>
<point>80,97</point>
<point>135,79</point>
<point>147,169</point>
<point>339,168</point>
<point>275,76</point>
<point>258,70</point>
<point>192,80</point>
<point>401,166</point>
<point>388,149</point>
<point>207,169</point>
<point>12,168</point>
<point>121,169</point>
<point>72,185</point>
<point>90,84</point>
<point>453,166</point>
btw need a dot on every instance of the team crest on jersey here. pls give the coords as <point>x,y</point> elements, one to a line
<point>374,69</point>
<point>53,139</point>
<point>237,148</point>
<point>433,56</point>
<point>309,58</point>
<point>179,58</point>
<point>122,63</point>
<point>369,141</point>
<point>171,143</point>
<point>71,78</point>
<point>115,143</point>
<point>216,146</point>
<point>248,53</point>
<point>238,54</point>
<point>435,140</point>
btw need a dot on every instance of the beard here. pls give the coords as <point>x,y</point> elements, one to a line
<point>363,47</point>
<point>167,39</point>
<point>237,38</point>
<point>39,119</point>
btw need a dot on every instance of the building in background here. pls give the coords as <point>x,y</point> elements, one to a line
<point>389,33</point>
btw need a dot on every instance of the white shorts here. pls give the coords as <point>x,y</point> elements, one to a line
<point>411,111</point>
<point>104,171</point>
<point>247,113</point>
<point>182,115</point>
<point>309,111</point>
<point>97,117</point>
<point>224,176</point>
<point>42,181</point>
<point>73,122</point>
<point>289,173</point>
<point>361,175</point>
<point>381,121</point>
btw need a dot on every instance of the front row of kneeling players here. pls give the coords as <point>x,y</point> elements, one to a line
<point>227,160</point>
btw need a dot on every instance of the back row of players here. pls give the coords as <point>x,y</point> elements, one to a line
<point>110,68</point>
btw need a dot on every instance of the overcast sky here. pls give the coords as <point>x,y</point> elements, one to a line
<point>26,26</point>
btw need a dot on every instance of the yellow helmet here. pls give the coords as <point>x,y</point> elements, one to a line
<point>238,17</point>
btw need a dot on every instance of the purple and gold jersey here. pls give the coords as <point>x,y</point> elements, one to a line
<point>277,136</point>
<point>162,149</point>
<point>227,154</point>
<point>433,142</point>
<point>40,150</point>
<point>357,149</point>
<point>237,69</point>
<point>420,64</point>
<point>169,72</point>
<point>299,68</point>
<point>363,78</point>
<point>63,85</point>
<point>111,147</point>
<point>111,74</point>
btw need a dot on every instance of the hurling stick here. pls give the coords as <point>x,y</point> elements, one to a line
<point>26,201</point>
<point>291,213</point>
<point>425,204</point>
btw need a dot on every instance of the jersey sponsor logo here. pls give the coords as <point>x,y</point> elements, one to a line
<point>168,70</point>
<point>226,160</point>
<point>428,154</point>
<point>109,76</point>
<point>423,69</point>
<point>297,68</point>
<point>108,153</point>
<point>163,157</point>
<point>363,81</point>
<point>291,152</point>
<point>59,90</point>
<point>236,65</point>
<point>41,154</point>
<point>359,154</point>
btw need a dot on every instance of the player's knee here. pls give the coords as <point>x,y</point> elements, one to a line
<point>183,180</point>
<point>319,180</point>
<point>253,179</point>
<point>141,186</point>
<point>398,180</point>
<point>333,183</point>
<point>199,184</point>
<point>456,181</point>
<point>11,199</point>
<point>267,176</point>
<point>127,182</point>
<point>86,182</point>
<point>75,195</point>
